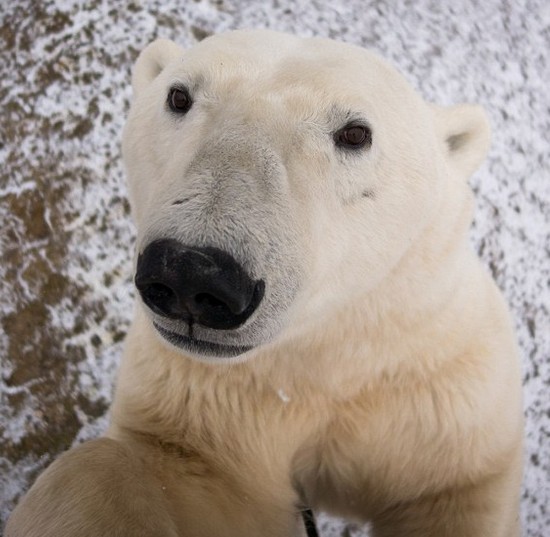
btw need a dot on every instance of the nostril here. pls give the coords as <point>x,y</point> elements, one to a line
<point>161,299</point>
<point>204,306</point>
<point>210,301</point>
<point>223,312</point>
<point>158,291</point>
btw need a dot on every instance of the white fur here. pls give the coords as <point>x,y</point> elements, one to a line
<point>384,381</point>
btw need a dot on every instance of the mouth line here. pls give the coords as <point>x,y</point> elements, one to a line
<point>200,347</point>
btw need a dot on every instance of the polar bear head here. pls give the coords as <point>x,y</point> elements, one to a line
<point>274,179</point>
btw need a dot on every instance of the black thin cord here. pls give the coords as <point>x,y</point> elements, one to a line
<point>309,522</point>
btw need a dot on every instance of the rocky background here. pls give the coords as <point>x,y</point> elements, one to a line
<point>66,236</point>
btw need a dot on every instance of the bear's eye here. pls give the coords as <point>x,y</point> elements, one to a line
<point>353,136</point>
<point>179,100</point>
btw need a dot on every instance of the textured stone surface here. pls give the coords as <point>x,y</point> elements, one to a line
<point>66,241</point>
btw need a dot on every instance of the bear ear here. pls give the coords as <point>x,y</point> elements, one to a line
<point>152,60</point>
<point>465,131</point>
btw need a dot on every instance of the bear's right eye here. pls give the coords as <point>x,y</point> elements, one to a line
<point>179,100</point>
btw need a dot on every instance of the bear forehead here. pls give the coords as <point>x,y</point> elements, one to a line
<point>308,72</point>
<point>281,60</point>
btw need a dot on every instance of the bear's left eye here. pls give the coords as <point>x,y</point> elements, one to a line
<point>354,136</point>
<point>179,100</point>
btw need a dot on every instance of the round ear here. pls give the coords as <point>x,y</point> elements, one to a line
<point>465,131</point>
<point>152,60</point>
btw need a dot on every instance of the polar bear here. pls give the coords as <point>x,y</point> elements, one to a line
<point>313,328</point>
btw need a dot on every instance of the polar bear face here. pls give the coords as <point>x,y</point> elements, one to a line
<point>274,179</point>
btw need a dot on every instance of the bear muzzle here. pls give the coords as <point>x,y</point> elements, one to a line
<point>202,286</point>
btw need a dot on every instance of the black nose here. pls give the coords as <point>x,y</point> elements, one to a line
<point>196,285</point>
